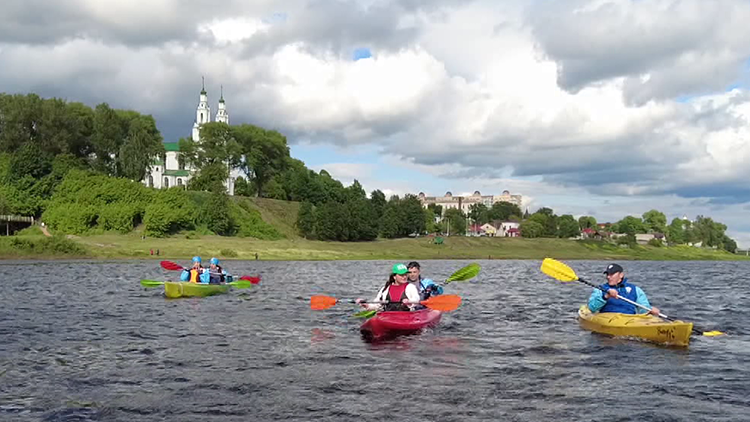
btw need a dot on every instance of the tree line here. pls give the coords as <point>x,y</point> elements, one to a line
<point>43,141</point>
<point>703,230</point>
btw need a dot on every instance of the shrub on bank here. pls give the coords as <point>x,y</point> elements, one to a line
<point>56,245</point>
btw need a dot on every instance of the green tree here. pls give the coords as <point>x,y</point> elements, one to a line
<point>355,191</point>
<point>479,213</point>
<point>413,215</point>
<point>728,244</point>
<point>242,188</point>
<point>210,178</point>
<point>503,211</point>
<point>676,232</point>
<point>215,213</point>
<point>629,225</point>
<point>306,220</point>
<point>531,229</point>
<point>265,154</point>
<point>378,203</point>
<point>456,221</point>
<point>142,142</point>
<point>107,137</point>
<point>655,221</point>
<point>567,227</point>
<point>436,209</point>
<point>587,222</point>
<point>391,221</point>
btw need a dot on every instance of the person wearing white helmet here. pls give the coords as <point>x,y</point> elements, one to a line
<point>217,275</point>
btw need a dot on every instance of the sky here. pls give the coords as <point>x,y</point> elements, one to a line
<point>589,107</point>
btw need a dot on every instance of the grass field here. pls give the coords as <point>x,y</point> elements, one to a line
<point>282,215</point>
<point>178,247</point>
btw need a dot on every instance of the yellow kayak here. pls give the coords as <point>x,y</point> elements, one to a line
<point>185,289</point>
<point>642,326</point>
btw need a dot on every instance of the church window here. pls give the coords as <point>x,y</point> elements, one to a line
<point>179,182</point>
<point>166,182</point>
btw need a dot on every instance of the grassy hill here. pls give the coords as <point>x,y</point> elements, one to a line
<point>281,215</point>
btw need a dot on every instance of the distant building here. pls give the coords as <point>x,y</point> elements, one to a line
<point>169,171</point>
<point>463,203</point>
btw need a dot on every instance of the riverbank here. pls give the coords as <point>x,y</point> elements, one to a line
<point>133,246</point>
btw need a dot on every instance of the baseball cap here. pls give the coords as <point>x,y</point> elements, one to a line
<point>613,268</point>
<point>400,269</point>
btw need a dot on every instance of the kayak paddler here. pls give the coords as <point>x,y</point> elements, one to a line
<point>216,274</point>
<point>425,286</point>
<point>196,273</point>
<point>617,285</point>
<point>398,293</point>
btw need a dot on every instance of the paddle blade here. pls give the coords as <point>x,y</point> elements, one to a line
<point>242,284</point>
<point>169,265</point>
<point>465,273</point>
<point>251,279</point>
<point>713,333</point>
<point>445,303</point>
<point>320,302</point>
<point>365,314</point>
<point>151,283</point>
<point>558,270</point>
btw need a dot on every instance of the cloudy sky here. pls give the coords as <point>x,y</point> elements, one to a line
<point>604,108</point>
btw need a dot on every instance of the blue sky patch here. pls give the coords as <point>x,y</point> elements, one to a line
<point>362,53</point>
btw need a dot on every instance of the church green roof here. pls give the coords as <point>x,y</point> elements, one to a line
<point>181,173</point>
<point>172,146</point>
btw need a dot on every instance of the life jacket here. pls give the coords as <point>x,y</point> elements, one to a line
<point>216,276</point>
<point>194,274</point>
<point>625,290</point>
<point>395,304</point>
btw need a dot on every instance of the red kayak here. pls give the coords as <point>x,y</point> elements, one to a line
<point>395,323</point>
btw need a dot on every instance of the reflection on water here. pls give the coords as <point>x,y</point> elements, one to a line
<point>83,341</point>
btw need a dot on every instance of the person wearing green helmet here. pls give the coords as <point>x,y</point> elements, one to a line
<point>397,294</point>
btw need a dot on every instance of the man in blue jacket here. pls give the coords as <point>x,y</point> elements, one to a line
<point>618,286</point>
<point>426,286</point>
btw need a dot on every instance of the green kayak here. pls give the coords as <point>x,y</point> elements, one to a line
<point>185,289</point>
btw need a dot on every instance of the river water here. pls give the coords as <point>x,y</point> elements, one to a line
<point>83,341</point>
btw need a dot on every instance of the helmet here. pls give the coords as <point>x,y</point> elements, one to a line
<point>197,259</point>
<point>215,261</point>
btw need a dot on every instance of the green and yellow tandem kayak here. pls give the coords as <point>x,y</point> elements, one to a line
<point>641,326</point>
<point>185,289</point>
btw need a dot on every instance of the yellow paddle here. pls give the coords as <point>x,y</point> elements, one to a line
<point>564,273</point>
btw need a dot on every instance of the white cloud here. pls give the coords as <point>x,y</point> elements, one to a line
<point>602,100</point>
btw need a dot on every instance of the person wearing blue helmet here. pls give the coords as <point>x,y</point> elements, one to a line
<point>195,274</point>
<point>217,275</point>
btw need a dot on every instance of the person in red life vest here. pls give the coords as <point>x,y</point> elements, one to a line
<point>397,294</point>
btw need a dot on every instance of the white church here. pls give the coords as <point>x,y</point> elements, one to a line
<point>172,172</point>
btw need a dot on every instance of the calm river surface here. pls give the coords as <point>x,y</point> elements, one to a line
<point>83,341</point>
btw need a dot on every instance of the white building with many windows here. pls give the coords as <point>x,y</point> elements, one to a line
<point>169,171</point>
<point>463,203</point>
